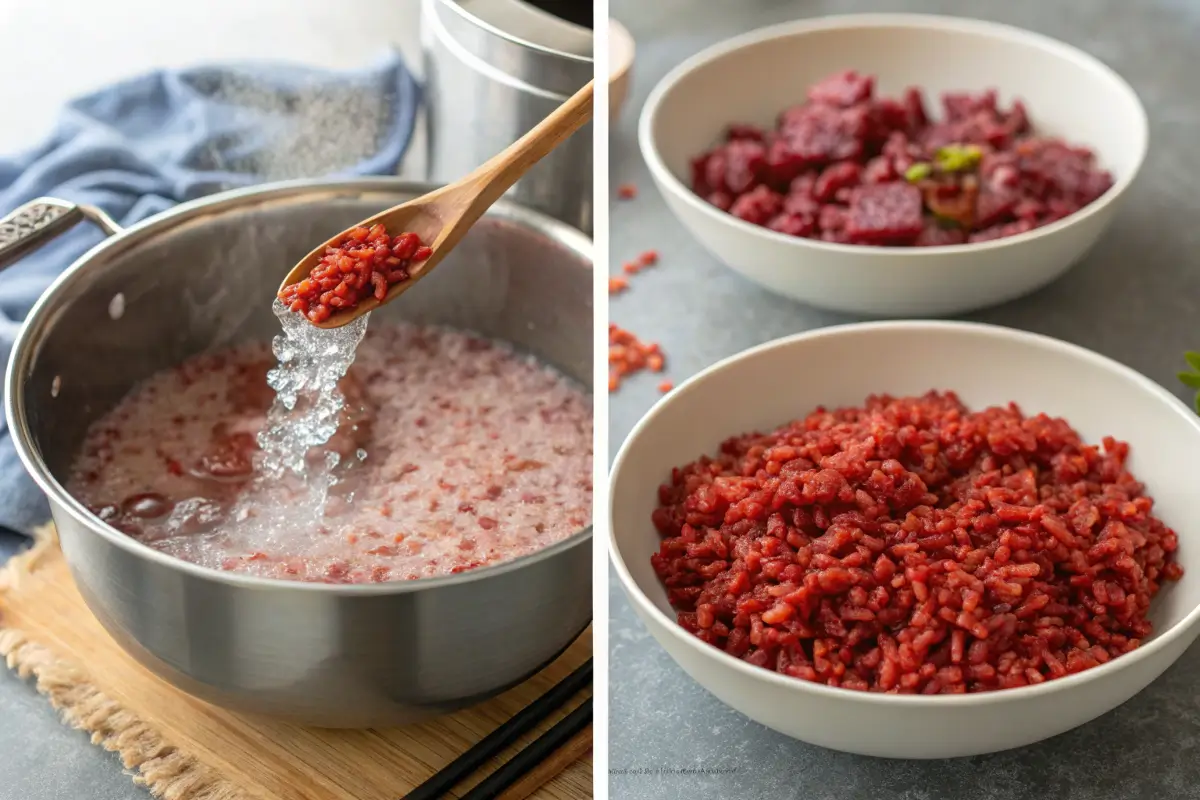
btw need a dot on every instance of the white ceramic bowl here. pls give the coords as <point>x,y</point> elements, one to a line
<point>753,77</point>
<point>782,380</point>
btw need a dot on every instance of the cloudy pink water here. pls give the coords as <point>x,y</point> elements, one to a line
<point>453,452</point>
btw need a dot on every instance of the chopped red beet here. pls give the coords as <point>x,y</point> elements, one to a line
<point>792,224</point>
<point>992,207</point>
<point>844,136</point>
<point>886,117</point>
<point>820,135</point>
<point>362,263</point>
<point>885,212</point>
<point>835,177</point>
<point>833,218</point>
<point>783,163</point>
<point>740,167</point>
<point>758,206</point>
<point>800,200</point>
<point>843,90</point>
<point>880,169</point>
<point>804,205</point>
<point>963,105</point>
<point>914,105</point>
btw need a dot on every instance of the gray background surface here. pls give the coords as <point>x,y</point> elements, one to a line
<point>1136,299</point>
<point>40,758</point>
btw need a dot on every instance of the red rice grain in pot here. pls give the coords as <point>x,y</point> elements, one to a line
<point>911,545</point>
<point>457,452</point>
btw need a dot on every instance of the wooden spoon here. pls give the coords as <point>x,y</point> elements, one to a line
<point>442,217</point>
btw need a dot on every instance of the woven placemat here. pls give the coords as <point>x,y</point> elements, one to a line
<point>182,748</point>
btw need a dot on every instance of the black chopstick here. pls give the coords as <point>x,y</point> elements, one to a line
<point>495,742</point>
<point>537,752</point>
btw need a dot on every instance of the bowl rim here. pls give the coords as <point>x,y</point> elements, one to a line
<point>669,183</point>
<point>24,353</point>
<point>622,50</point>
<point>646,608</point>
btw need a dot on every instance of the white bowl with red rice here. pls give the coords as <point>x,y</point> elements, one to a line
<point>992,366</point>
<point>751,79</point>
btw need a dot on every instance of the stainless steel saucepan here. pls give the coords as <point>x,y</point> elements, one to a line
<point>493,70</point>
<point>338,656</point>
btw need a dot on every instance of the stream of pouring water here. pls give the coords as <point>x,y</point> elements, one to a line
<point>308,403</point>
<point>305,414</point>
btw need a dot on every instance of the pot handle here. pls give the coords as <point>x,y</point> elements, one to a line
<point>40,220</point>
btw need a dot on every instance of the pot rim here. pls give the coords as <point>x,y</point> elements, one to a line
<point>519,39</point>
<point>40,318</point>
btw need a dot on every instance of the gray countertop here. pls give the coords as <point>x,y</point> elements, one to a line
<point>40,758</point>
<point>1136,299</point>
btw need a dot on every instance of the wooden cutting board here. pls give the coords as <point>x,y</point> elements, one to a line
<point>185,749</point>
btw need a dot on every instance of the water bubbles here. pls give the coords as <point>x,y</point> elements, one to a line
<point>116,306</point>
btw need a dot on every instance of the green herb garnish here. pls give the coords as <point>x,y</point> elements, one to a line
<point>918,172</point>
<point>1192,379</point>
<point>957,158</point>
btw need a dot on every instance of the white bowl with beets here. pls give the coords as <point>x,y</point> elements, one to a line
<point>1002,705</point>
<point>860,256</point>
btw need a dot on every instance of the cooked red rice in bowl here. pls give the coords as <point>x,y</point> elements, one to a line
<point>911,545</point>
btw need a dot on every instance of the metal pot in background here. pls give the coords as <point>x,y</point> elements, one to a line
<point>201,276</point>
<point>494,69</point>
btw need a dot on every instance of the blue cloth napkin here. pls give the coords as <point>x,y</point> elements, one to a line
<point>137,148</point>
